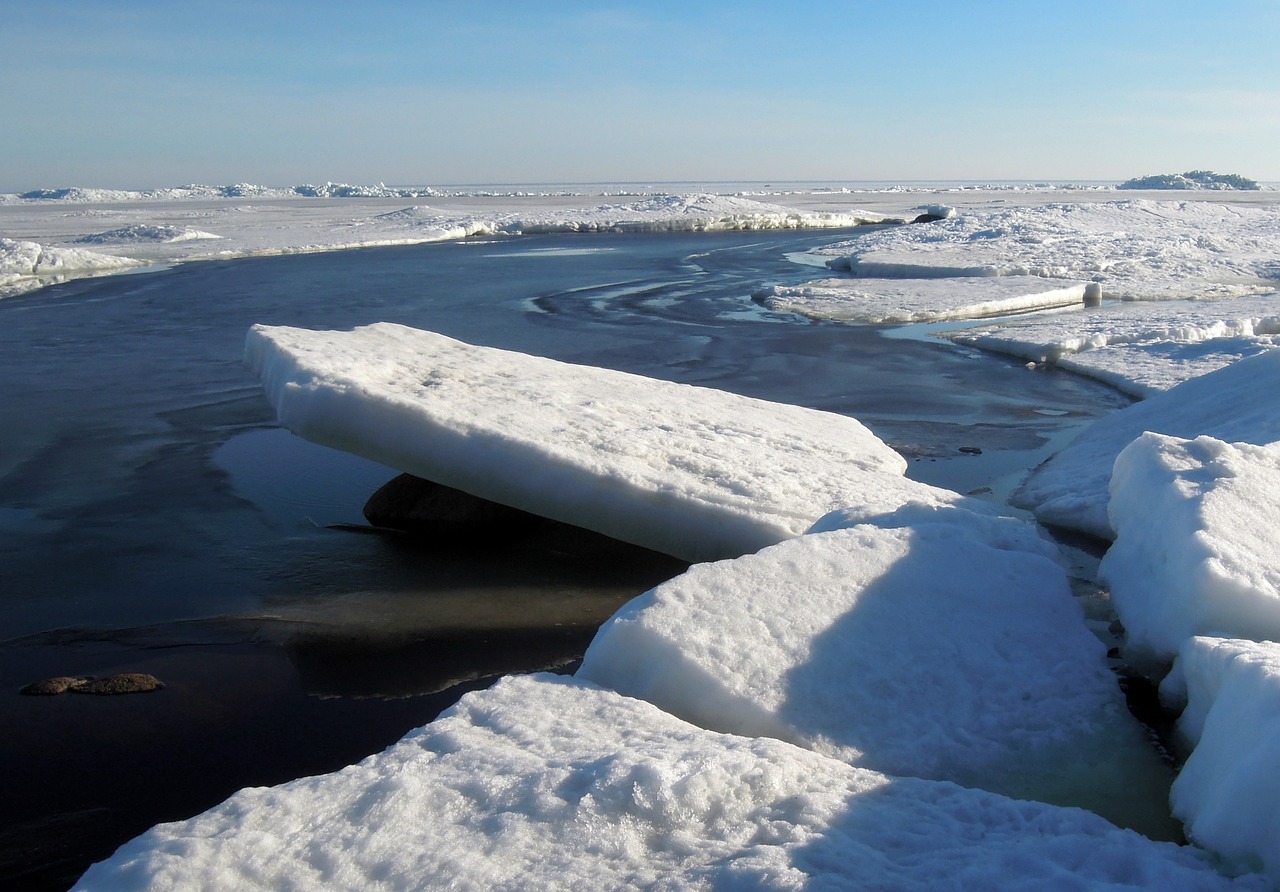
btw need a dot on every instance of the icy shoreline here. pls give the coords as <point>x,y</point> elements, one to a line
<point>773,670</point>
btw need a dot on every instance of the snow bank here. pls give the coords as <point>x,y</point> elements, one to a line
<point>659,213</point>
<point>1192,179</point>
<point>25,266</point>
<point>1135,249</point>
<point>1210,566</point>
<point>878,301</point>
<point>690,471</point>
<point>544,782</point>
<point>1141,348</point>
<point>1229,787</point>
<point>1239,403</point>
<point>146,232</point>
<point>935,650</point>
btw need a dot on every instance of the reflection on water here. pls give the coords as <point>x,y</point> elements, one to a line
<point>292,481</point>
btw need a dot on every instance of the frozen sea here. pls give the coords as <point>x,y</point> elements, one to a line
<point>157,519</point>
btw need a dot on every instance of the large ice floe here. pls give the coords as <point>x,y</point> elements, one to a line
<point>1238,403</point>
<point>550,783</point>
<point>693,472</point>
<point>945,648</point>
<point>1227,792</point>
<point>1211,565</point>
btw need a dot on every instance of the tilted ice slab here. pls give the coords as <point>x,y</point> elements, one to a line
<point>1141,348</point>
<point>1211,564</point>
<point>878,301</point>
<point>946,648</point>
<point>1238,403</point>
<point>1136,249</point>
<point>1227,791</point>
<point>550,783</point>
<point>690,471</point>
<point>25,265</point>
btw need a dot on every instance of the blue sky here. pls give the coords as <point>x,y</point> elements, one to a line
<point>137,94</point>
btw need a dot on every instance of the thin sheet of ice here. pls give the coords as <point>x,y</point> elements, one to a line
<point>940,649</point>
<point>1228,790</point>
<point>1136,249</point>
<point>878,301</point>
<point>1141,348</point>
<point>1211,565</point>
<point>1238,403</point>
<point>690,471</point>
<point>544,782</point>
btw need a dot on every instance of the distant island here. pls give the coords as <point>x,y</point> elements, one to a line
<point>1192,179</point>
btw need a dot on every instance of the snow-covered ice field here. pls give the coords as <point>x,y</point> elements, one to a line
<point>841,707</point>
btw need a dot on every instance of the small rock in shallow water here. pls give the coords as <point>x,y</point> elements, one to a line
<point>50,686</point>
<point>124,683</point>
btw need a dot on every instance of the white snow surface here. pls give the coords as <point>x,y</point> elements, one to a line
<point>1136,249</point>
<point>939,649</point>
<point>878,301</point>
<point>690,471</point>
<point>1211,565</point>
<point>25,266</point>
<point>1237,403</point>
<point>1139,347</point>
<point>200,222</point>
<point>1227,791</point>
<point>545,782</point>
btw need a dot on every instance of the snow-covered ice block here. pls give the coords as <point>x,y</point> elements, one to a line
<point>550,783</point>
<point>1211,564</point>
<point>690,471</point>
<point>1229,788</point>
<point>940,650</point>
<point>878,301</point>
<point>1238,403</point>
<point>1142,348</point>
<point>26,265</point>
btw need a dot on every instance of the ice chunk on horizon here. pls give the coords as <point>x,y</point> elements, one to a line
<point>940,650</point>
<point>1238,403</point>
<point>1210,565</point>
<point>1227,791</point>
<point>690,471</point>
<point>548,782</point>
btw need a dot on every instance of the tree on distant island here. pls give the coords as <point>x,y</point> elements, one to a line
<point>1192,179</point>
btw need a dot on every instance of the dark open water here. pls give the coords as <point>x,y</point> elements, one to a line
<point>154,519</point>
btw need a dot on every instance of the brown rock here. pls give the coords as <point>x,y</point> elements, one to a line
<point>424,508</point>
<point>50,686</point>
<point>124,683</point>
